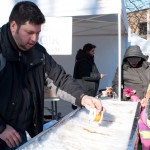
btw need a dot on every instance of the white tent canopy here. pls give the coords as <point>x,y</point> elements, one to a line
<point>98,16</point>
<point>93,14</point>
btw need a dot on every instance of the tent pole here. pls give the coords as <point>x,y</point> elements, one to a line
<point>119,56</point>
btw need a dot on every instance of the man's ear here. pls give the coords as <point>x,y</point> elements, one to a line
<point>13,26</point>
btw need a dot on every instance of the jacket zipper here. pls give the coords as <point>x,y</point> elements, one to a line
<point>20,55</point>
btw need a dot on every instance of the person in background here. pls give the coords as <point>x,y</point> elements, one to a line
<point>25,68</point>
<point>135,74</point>
<point>86,71</point>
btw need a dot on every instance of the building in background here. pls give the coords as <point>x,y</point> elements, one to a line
<point>139,22</point>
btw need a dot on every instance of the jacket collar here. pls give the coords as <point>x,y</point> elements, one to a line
<point>9,49</point>
<point>12,52</point>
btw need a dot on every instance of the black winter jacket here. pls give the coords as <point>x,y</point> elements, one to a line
<point>22,79</point>
<point>86,72</point>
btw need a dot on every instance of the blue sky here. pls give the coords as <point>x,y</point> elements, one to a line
<point>141,4</point>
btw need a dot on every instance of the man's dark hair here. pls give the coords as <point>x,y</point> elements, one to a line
<point>26,11</point>
<point>88,47</point>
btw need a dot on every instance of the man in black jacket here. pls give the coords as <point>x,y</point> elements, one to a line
<point>25,67</point>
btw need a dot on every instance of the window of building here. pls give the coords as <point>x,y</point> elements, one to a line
<point>143,28</point>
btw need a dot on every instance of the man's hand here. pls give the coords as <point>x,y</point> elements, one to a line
<point>91,102</point>
<point>10,136</point>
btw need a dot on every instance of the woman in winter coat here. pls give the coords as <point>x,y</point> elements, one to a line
<point>135,72</point>
<point>85,70</point>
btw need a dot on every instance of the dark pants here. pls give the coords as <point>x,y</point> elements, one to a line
<point>3,145</point>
